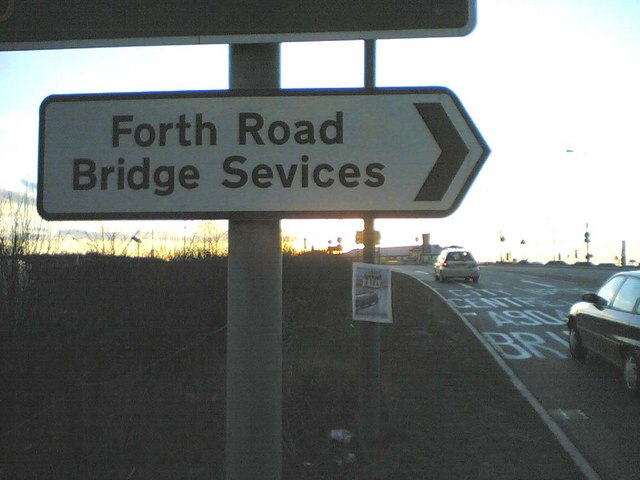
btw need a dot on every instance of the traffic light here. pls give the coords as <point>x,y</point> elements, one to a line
<point>587,237</point>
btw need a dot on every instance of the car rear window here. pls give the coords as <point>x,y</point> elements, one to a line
<point>460,257</point>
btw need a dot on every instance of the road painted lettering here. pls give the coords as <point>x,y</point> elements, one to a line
<point>564,343</point>
<point>506,346</point>
<point>536,345</point>
<point>523,345</point>
<point>480,292</point>
<point>537,309</point>
<point>504,302</point>
<point>525,318</point>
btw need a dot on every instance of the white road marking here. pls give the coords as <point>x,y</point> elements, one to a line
<point>538,284</point>
<point>569,415</point>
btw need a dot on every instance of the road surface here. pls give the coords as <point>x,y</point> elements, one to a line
<point>521,313</point>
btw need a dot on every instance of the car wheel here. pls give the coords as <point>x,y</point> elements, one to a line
<point>475,279</point>
<point>576,348</point>
<point>631,381</point>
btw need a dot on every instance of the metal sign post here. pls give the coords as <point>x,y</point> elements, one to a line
<point>369,357</point>
<point>368,332</point>
<point>254,318</point>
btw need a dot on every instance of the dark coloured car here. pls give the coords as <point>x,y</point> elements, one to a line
<point>365,297</point>
<point>608,324</point>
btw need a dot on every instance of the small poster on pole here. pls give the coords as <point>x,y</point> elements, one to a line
<point>371,293</point>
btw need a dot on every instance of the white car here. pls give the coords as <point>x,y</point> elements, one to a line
<point>456,263</point>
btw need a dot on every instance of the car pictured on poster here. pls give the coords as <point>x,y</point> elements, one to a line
<point>456,263</point>
<point>365,297</point>
<point>607,323</point>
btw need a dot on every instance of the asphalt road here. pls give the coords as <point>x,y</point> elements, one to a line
<point>521,312</point>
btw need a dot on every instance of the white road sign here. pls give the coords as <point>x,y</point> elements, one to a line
<point>238,154</point>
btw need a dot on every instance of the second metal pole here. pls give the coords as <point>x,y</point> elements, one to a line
<point>369,333</point>
<point>254,317</point>
<point>369,352</point>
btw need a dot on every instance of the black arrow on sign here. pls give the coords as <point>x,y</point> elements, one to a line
<point>453,152</point>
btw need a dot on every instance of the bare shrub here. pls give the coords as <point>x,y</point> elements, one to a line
<point>106,243</point>
<point>23,234</point>
<point>210,240</point>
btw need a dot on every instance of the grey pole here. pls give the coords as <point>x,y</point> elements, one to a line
<point>254,316</point>
<point>369,357</point>
<point>369,332</point>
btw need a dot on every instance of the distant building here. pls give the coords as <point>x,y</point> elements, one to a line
<point>407,254</point>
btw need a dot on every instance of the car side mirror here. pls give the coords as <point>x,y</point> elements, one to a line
<point>595,299</point>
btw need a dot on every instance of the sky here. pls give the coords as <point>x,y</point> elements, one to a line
<point>552,85</point>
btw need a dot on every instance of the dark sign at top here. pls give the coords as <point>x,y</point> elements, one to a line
<point>41,24</point>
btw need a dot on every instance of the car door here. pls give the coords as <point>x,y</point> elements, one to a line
<point>595,322</point>
<point>627,303</point>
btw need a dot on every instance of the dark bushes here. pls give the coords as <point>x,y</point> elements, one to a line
<point>116,367</point>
